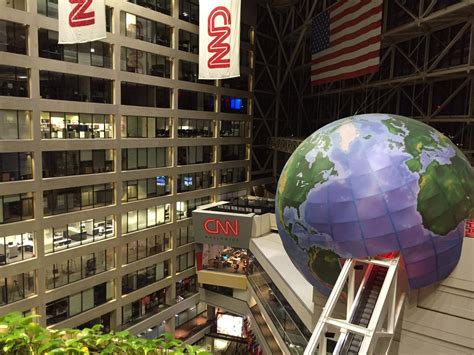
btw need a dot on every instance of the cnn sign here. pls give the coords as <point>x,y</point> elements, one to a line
<point>81,15</point>
<point>221,228</point>
<point>225,227</point>
<point>219,39</point>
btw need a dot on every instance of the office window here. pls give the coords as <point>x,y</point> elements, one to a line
<point>230,104</point>
<point>142,189</point>
<point>13,81</point>
<point>136,220</point>
<point>12,37</point>
<point>186,288</point>
<point>194,100</point>
<point>77,198</point>
<point>239,83</point>
<point>189,11</point>
<point>79,268</point>
<point>195,181</point>
<point>15,208</point>
<point>15,4</point>
<point>233,152</point>
<point>200,154</point>
<point>67,307</point>
<point>185,235</point>
<point>60,125</point>
<point>136,61</point>
<point>145,127</point>
<point>188,42</point>
<point>15,125</point>
<point>70,87</point>
<point>189,71</point>
<point>195,128</point>
<point>184,209</point>
<point>149,305</point>
<point>163,6</point>
<point>77,162</point>
<point>234,129</point>
<point>148,246</point>
<point>78,233</point>
<point>91,53</point>
<point>233,175</point>
<point>144,29</point>
<point>144,277</point>
<point>16,166</point>
<point>144,158</point>
<point>17,287</point>
<point>145,95</point>
<point>185,261</point>
<point>190,313</point>
<point>16,247</point>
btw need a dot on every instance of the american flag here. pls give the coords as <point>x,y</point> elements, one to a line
<point>345,41</point>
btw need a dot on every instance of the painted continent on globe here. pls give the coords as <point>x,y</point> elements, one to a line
<point>375,184</point>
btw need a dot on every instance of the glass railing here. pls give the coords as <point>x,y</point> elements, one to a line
<point>289,326</point>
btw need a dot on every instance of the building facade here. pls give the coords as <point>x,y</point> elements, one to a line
<point>105,149</point>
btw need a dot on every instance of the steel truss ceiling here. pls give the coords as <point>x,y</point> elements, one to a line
<point>426,72</point>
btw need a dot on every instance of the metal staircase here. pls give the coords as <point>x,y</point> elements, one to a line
<point>371,313</point>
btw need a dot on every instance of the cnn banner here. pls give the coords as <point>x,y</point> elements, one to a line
<point>219,39</point>
<point>81,21</point>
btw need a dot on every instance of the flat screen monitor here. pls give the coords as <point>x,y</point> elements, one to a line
<point>161,180</point>
<point>188,181</point>
<point>230,325</point>
<point>235,104</point>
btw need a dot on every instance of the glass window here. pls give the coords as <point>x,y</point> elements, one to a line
<point>145,218</point>
<point>233,152</point>
<point>188,42</point>
<point>144,158</point>
<point>148,305</point>
<point>136,61</point>
<point>230,104</point>
<point>145,30</point>
<point>189,11</point>
<point>189,71</point>
<point>145,95</point>
<point>195,181</point>
<point>195,155</point>
<point>195,128</point>
<point>163,6</point>
<point>144,277</point>
<point>12,37</point>
<point>233,175</point>
<point>13,81</point>
<point>56,125</point>
<point>15,208</point>
<point>149,246</point>
<point>193,100</point>
<point>16,247</point>
<point>184,209</point>
<point>15,125</point>
<point>234,129</point>
<point>74,162</point>
<point>16,166</point>
<point>78,233</point>
<point>145,188</point>
<point>17,287</point>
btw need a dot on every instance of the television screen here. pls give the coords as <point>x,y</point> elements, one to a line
<point>230,325</point>
<point>236,104</point>
<point>188,181</point>
<point>161,180</point>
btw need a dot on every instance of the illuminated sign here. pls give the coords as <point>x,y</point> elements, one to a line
<point>469,231</point>
<point>217,226</point>
<point>222,228</point>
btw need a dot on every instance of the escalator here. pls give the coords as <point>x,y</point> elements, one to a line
<point>350,343</point>
<point>373,308</point>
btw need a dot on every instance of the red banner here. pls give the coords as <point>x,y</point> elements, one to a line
<point>469,231</point>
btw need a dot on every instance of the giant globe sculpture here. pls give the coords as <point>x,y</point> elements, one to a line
<point>375,184</point>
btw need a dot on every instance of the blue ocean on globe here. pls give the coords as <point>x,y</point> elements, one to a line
<point>375,184</point>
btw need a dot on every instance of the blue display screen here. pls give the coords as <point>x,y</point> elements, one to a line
<point>236,104</point>
<point>188,181</point>
<point>161,180</point>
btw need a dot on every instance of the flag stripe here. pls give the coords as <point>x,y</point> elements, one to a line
<point>347,57</point>
<point>353,35</point>
<point>362,17</point>
<point>346,50</point>
<point>336,17</point>
<point>350,75</point>
<point>348,62</point>
<point>348,69</point>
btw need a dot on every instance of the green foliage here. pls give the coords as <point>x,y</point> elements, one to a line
<point>22,336</point>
